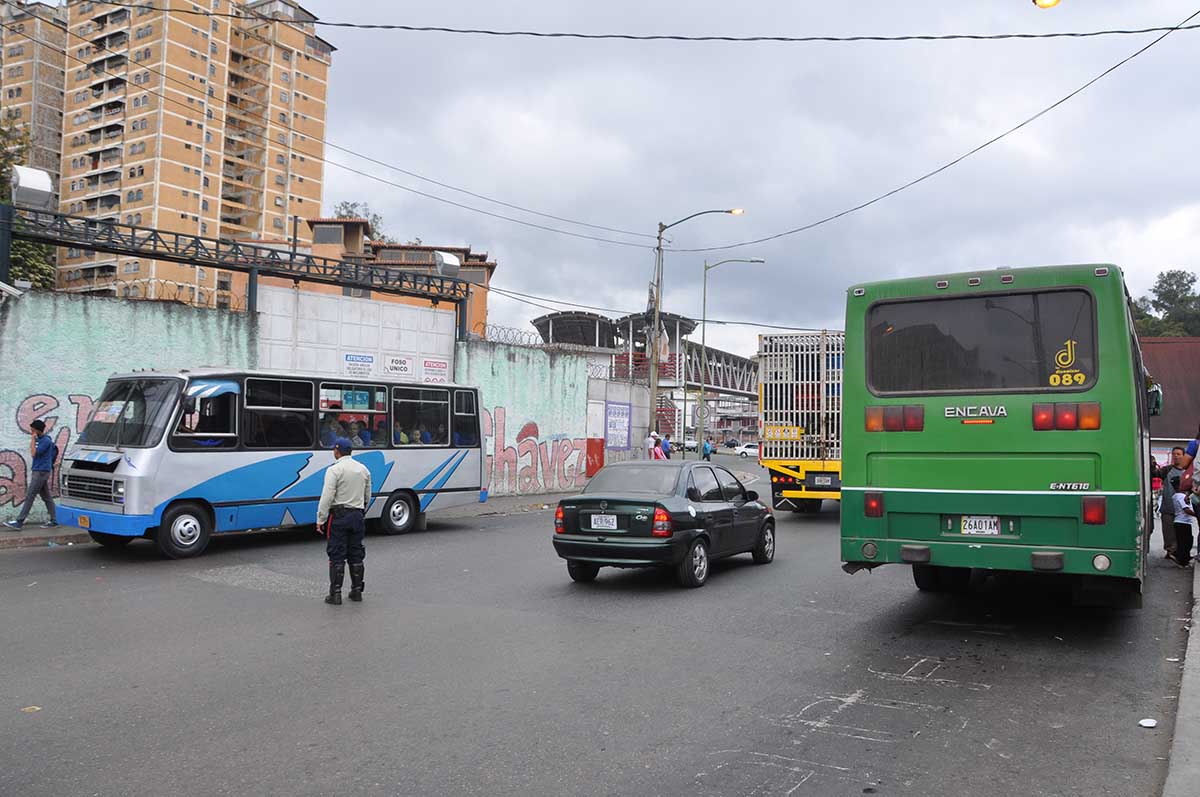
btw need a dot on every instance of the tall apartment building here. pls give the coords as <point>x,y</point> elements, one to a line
<point>182,117</point>
<point>32,38</point>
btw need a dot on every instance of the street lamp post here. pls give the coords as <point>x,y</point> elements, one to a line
<point>703,410</point>
<point>652,337</point>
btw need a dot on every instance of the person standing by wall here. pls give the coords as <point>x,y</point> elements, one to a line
<point>1170,474</point>
<point>666,446</point>
<point>708,449</point>
<point>43,452</point>
<point>344,498</point>
<point>1182,520</point>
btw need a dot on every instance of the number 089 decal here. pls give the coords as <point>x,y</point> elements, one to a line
<point>1067,380</point>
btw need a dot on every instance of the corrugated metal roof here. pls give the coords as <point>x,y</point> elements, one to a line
<point>1175,364</point>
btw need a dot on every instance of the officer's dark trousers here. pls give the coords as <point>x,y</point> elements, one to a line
<point>346,539</point>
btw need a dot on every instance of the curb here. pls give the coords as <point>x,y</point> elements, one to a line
<point>51,540</point>
<point>1183,764</point>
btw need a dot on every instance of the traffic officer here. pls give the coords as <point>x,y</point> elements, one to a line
<point>344,499</point>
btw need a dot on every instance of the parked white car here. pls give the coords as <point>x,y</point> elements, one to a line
<point>747,450</point>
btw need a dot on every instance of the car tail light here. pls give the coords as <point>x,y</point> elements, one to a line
<point>873,504</point>
<point>896,418</point>
<point>662,523</point>
<point>1066,416</point>
<point>1095,510</point>
<point>1089,415</point>
<point>1043,417</point>
<point>558,521</point>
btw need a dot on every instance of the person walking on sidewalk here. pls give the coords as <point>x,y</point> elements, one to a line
<point>1183,520</point>
<point>665,445</point>
<point>1170,474</point>
<point>344,498</point>
<point>44,452</point>
<point>651,443</point>
<point>708,449</point>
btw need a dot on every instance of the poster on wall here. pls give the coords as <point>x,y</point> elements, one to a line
<point>595,420</point>
<point>617,420</point>
<point>358,364</point>
<point>399,367</point>
<point>435,370</point>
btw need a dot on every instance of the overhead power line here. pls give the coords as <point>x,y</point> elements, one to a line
<point>952,163</point>
<point>677,37</point>
<point>270,123</point>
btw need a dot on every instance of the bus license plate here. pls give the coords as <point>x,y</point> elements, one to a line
<point>823,481</point>
<point>980,524</point>
<point>604,521</point>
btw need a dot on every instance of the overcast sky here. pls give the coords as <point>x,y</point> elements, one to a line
<point>627,134</point>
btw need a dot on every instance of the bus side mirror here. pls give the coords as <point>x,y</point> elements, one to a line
<point>1154,399</point>
<point>189,405</point>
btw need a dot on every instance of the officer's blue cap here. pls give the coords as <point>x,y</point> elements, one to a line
<point>343,445</point>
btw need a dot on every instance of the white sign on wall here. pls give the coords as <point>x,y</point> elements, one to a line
<point>358,364</point>
<point>401,367</point>
<point>435,370</point>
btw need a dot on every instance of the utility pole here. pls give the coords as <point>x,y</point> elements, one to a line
<point>652,332</point>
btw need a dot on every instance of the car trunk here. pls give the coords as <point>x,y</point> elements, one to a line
<point>603,515</point>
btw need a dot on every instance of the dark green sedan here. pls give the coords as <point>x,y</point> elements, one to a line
<point>662,514</point>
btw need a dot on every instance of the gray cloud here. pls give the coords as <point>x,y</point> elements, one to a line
<point>627,134</point>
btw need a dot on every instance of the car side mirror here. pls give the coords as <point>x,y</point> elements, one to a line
<point>1154,399</point>
<point>751,495</point>
<point>189,405</point>
<point>693,494</point>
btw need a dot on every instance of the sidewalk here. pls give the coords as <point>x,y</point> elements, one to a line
<point>1183,770</point>
<point>33,535</point>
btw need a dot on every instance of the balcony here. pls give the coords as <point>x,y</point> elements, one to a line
<point>639,369</point>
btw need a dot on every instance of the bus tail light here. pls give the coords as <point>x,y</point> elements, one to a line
<point>1066,416</point>
<point>1043,417</point>
<point>1089,415</point>
<point>558,521</point>
<point>1095,510</point>
<point>896,418</point>
<point>662,523</point>
<point>873,504</point>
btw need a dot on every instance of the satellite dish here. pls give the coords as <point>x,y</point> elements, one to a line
<point>447,264</point>
<point>32,188</point>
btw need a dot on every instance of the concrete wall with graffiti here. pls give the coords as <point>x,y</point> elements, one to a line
<point>57,350</point>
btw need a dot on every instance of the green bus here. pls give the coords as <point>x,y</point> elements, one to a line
<point>997,420</point>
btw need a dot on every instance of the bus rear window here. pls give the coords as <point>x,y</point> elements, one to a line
<point>1008,342</point>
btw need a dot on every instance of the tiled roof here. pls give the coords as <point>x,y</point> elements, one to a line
<point>1175,364</point>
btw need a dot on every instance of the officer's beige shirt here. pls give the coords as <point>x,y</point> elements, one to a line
<point>347,483</point>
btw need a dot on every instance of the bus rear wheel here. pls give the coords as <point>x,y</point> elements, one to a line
<point>109,540</point>
<point>184,531</point>
<point>399,515</point>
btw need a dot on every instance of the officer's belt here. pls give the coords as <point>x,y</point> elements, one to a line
<point>341,509</point>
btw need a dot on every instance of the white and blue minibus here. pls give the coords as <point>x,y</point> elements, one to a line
<point>177,457</point>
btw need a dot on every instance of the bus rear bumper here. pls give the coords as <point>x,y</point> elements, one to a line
<point>105,522</point>
<point>1121,563</point>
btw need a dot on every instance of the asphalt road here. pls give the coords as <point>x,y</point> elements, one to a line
<point>475,666</point>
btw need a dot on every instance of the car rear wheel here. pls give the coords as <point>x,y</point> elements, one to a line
<point>693,570</point>
<point>399,515</point>
<point>582,571</point>
<point>109,540</point>
<point>184,531</point>
<point>764,549</point>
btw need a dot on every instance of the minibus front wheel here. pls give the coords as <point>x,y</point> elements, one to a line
<point>184,531</point>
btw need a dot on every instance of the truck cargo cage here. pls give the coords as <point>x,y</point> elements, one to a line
<point>800,376</point>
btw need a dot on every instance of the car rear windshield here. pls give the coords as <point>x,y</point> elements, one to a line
<point>1007,342</point>
<point>652,479</point>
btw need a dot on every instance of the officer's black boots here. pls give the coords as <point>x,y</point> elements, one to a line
<point>356,582</point>
<point>337,574</point>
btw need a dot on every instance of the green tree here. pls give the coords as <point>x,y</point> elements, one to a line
<point>362,210</point>
<point>1149,325</point>
<point>30,261</point>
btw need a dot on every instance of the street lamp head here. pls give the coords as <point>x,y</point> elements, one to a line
<point>757,260</point>
<point>736,211</point>
<point>1045,3</point>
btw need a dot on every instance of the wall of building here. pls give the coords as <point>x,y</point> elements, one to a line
<point>619,414</point>
<point>329,334</point>
<point>57,350</point>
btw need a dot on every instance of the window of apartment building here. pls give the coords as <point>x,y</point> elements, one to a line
<point>282,138</point>
<point>132,267</point>
<point>283,117</point>
<point>280,159</point>
<point>139,147</point>
<point>212,46</point>
<point>283,96</point>
<point>14,92</point>
<point>279,180</point>
<point>224,282</point>
<point>206,182</point>
<point>203,228</point>
<point>277,223</point>
<point>137,171</point>
<point>327,234</point>
<point>15,71</point>
<point>208,160</point>
<point>13,52</point>
<point>286,77</point>
<point>14,113</point>
<point>204,204</point>
<point>278,201</point>
<point>212,69</point>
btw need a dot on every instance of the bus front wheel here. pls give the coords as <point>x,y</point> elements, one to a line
<point>933,578</point>
<point>399,515</point>
<point>109,540</point>
<point>184,531</point>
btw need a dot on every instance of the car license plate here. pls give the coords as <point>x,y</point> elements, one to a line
<point>85,522</point>
<point>604,521</point>
<point>823,481</point>
<point>980,524</point>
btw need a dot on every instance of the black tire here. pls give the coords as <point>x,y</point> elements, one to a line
<point>926,578</point>
<point>933,578</point>
<point>764,549</point>
<point>955,579</point>
<point>693,570</point>
<point>399,515</point>
<point>109,540</point>
<point>185,531</point>
<point>582,572</point>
